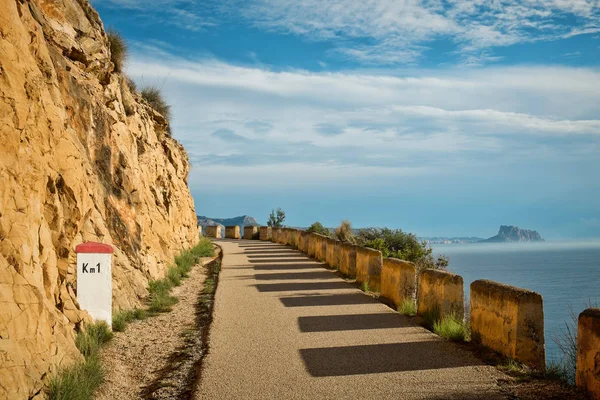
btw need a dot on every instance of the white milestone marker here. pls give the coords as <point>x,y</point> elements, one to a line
<point>94,280</point>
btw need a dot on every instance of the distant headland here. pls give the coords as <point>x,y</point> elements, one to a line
<point>512,234</point>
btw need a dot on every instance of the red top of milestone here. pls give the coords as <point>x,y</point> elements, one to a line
<point>93,247</point>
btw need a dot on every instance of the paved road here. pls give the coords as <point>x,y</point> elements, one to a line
<point>286,328</point>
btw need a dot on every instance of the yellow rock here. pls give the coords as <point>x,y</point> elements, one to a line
<point>74,167</point>
<point>440,292</point>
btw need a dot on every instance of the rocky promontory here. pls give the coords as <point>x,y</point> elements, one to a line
<point>82,158</point>
<point>512,234</point>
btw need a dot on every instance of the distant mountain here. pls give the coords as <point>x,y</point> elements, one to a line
<point>511,234</point>
<point>241,221</point>
<point>451,240</point>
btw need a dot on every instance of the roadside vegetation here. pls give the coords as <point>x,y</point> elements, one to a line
<point>452,328</point>
<point>80,380</point>
<point>566,341</point>
<point>408,307</point>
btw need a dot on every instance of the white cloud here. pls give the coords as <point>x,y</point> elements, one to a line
<point>251,123</point>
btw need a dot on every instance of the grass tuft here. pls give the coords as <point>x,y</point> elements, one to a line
<point>364,286</point>
<point>451,328</point>
<point>80,380</point>
<point>77,382</point>
<point>408,307</point>
<point>124,317</point>
<point>156,100</point>
<point>118,49</point>
<point>90,339</point>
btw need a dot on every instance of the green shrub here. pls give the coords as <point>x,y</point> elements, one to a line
<point>174,276</point>
<point>408,307</point>
<point>317,227</point>
<point>76,382</point>
<point>80,380</point>
<point>452,328</point>
<point>155,99</point>
<point>118,49</point>
<point>92,337</point>
<point>124,317</point>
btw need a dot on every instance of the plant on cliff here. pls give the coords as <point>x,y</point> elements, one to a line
<point>156,100</point>
<point>344,232</point>
<point>276,218</point>
<point>118,49</point>
<point>317,227</point>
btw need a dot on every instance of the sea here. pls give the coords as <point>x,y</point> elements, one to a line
<point>566,274</point>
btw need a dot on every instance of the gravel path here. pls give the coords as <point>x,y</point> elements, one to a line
<point>137,357</point>
<point>285,328</point>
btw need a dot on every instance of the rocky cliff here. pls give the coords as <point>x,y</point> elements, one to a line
<point>75,166</point>
<point>507,234</point>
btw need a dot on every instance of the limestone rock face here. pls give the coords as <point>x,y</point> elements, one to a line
<point>74,167</point>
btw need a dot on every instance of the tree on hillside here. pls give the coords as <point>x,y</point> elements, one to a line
<point>317,227</point>
<point>276,218</point>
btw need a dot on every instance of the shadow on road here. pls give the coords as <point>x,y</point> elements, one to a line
<point>292,287</point>
<point>332,323</point>
<point>295,275</point>
<point>380,358</point>
<point>328,300</point>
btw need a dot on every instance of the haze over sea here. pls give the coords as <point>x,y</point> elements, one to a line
<point>564,273</point>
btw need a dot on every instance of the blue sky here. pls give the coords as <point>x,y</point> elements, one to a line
<point>437,117</point>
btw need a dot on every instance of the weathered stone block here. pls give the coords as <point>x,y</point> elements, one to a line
<point>348,260</point>
<point>368,267</point>
<point>303,242</point>
<point>275,235</point>
<point>588,352</point>
<point>398,281</point>
<point>213,231</point>
<point>265,233</point>
<point>199,231</point>
<point>320,248</point>
<point>440,292</point>
<point>509,320</point>
<point>251,232</point>
<point>232,232</point>
<point>331,253</point>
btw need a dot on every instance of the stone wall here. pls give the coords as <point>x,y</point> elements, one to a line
<point>251,232</point>
<point>265,233</point>
<point>83,158</point>
<point>348,260</point>
<point>504,318</point>
<point>232,232</point>
<point>213,231</point>
<point>508,320</point>
<point>398,281</point>
<point>368,267</point>
<point>588,352</point>
<point>441,293</point>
